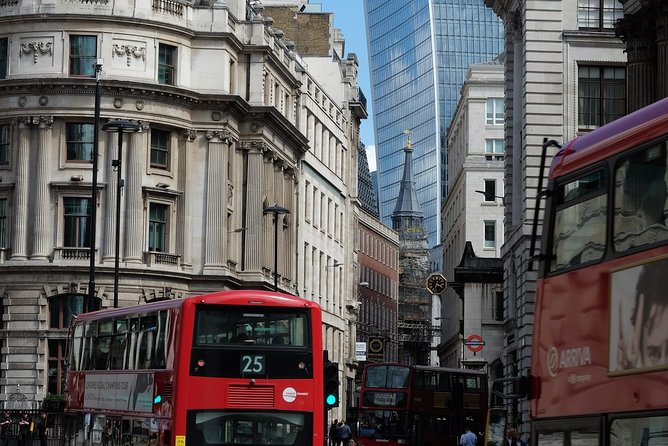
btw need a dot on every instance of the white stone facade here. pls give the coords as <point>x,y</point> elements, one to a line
<point>467,213</point>
<point>222,102</point>
<point>545,48</point>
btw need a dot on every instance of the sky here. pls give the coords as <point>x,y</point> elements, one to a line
<point>349,17</point>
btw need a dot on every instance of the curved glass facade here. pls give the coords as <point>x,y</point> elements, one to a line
<point>419,52</point>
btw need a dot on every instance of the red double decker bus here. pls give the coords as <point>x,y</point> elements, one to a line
<point>233,367</point>
<point>600,346</point>
<point>420,406</point>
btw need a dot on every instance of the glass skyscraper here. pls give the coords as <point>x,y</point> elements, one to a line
<point>419,51</point>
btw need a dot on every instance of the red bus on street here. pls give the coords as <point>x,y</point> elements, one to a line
<point>411,405</point>
<point>232,367</point>
<point>600,345</point>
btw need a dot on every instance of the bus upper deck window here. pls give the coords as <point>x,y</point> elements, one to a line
<point>580,221</point>
<point>641,201</point>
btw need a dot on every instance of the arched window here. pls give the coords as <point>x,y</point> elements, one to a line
<point>62,309</point>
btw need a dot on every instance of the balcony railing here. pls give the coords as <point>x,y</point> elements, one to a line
<point>152,258</point>
<point>169,7</point>
<point>71,253</point>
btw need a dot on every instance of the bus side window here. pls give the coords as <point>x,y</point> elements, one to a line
<point>160,361</point>
<point>641,201</point>
<point>102,349</point>
<point>146,342</point>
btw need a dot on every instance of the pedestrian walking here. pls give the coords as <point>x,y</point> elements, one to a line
<point>41,429</point>
<point>24,430</point>
<point>468,438</point>
<point>5,428</point>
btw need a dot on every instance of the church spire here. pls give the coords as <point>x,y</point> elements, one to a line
<point>407,209</point>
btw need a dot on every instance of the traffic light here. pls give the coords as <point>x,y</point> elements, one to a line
<point>331,384</point>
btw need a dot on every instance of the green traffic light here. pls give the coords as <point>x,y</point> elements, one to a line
<point>331,400</point>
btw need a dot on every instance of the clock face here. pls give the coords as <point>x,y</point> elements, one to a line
<point>436,284</point>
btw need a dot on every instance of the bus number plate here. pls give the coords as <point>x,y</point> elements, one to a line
<point>252,364</point>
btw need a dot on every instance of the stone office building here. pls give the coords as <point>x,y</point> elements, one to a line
<point>220,103</point>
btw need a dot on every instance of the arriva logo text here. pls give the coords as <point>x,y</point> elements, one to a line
<point>571,357</point>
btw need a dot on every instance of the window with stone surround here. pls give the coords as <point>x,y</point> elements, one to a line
<point>62,309</point>
<point>5,146</point>
<point>494,149</point>
<point>490,234</point>
<point>166,64</point>
<point>601,95</point>
<point>83,55</point>
<point>79,141</point>
<point>160,142</point>
<point>599,15</point>
<point>76,231</point>
<point>494,111</point>
<point>3,224</point>
<point>4,59</point>
<point>158,227</point>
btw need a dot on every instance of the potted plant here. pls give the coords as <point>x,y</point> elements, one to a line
<point>53,403</point>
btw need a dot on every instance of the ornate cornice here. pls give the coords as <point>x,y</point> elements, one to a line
<point>132,92</point>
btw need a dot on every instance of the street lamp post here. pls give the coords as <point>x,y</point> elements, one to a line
<point>276,210</point>
<point>120,126</point>
<point>93,202</point>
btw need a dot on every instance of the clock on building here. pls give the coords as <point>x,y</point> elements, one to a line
<point>436,283</point>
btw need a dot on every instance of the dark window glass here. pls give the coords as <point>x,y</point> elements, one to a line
<point>80,142</point>
<point>598,15</point>
<point>580,221</point>
<point>57,366</point>
<point>244,427</point>
<point>83,55</point>
<point>64,307</point>
<point>76,228</point>
<point>4,144</point>
<point>490,190</point>
<point>4,59</point>
<point>3,223</point>
<point>159,148</point>
<point>498,308</point>
<point>601,95</point>
<point>62,310</point>
<point>166,64</point>
<point>157,227</point>
<point>641,206</point>
<point>390,377</point>
<point>490,234</point>
<point>269,327</point>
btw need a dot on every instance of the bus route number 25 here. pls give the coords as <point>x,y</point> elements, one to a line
<point>252,364</point>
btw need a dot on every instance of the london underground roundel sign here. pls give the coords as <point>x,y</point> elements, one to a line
<point>474,343</point>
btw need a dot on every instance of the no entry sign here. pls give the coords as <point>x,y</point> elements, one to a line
<point>474,343</point>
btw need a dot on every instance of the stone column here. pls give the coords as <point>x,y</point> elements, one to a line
<point>20,229</point>
<point>638,32</point>
<point>253,205</point>
<point>216,198</point>
<point>137,145</point>
<point>41,236</point>
<point>109,247</point>
<point>184,222</point>
<point>662,53</point>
